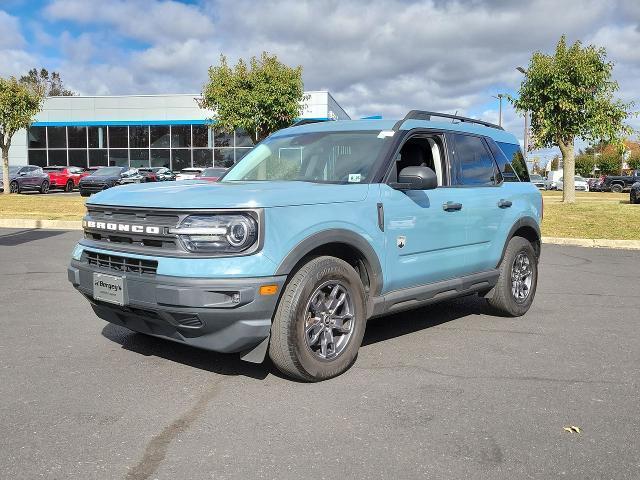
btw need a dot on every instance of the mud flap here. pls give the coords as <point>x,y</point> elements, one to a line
<point>258,353</point>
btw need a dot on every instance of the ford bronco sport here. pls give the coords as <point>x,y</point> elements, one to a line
<point>318,229</point>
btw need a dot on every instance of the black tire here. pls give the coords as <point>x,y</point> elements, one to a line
<point>69,186</point>
<point>44,188</point>
<point>503,299</point>
<point>84,194</point>
<point>616,188</point>
<point>14,187</point>
<point>289,348</point>
<point>633,197</point>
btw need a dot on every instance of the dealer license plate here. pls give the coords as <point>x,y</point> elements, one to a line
<point>108,288</point>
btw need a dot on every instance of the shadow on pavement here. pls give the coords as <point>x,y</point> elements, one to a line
<point>405,323</point>
<point>378,330</point>
<point>220,363</point>
<point>26,236</point>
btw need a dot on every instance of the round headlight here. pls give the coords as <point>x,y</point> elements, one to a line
<point>238,232</point>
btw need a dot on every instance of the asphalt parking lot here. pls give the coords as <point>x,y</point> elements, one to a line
<point>447,391</point>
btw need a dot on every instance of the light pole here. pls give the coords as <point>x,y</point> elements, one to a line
<point>499,96</point>
<point>526,121</point>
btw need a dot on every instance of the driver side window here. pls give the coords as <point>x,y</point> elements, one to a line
<point>426,151</point>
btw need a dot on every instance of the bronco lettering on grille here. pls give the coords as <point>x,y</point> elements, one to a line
<point>121,227</point>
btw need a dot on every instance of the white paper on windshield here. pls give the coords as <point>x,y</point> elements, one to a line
<point>354,178</point>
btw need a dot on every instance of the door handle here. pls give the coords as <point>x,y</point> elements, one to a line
<point>504,203</point>
<point>451,206</point>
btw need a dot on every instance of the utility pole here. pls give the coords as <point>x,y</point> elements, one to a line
<point>526,121</point>
<point>499,96</point>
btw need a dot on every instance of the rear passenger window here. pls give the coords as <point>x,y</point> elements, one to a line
<point>476,164</point>
<point>513,162</point>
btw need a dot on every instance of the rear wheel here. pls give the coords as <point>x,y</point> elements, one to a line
<point>516,287</point>
<point>44,188</point>
<point>320,321</point>
<point>616,188</point>
<point>69,186</point>
<point>14,187</point>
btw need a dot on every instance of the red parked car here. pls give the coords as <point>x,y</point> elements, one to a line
<point>66,178</point>
<point>211,174</point>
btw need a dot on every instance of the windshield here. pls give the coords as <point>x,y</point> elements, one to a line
<point>13,170</point>
<point>54,169</point>
<point>323,157</point>
<point>535,177</point>
<point>107,172</point>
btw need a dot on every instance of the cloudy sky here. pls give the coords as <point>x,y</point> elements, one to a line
<point>375,56</point>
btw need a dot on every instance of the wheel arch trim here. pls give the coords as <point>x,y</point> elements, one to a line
<point>523,222</point>
<point>336,235</point>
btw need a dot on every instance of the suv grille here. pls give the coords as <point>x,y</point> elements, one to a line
<point>128,217</point>
<point>121,264</point>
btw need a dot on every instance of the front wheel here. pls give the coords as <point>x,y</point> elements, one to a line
<point>516,287</point>
<point>14,187</point>
<point>44,188</point>
<point>617,188</point>
<point>320,321</point>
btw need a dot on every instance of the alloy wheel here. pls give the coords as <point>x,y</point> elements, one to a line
<point>521,277</point>
<point>329,320</point>
<point>13,187</point>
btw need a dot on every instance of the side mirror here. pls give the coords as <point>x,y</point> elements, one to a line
<point>416,178</point>
<point>22,174</point>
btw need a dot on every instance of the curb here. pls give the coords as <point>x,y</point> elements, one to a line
<point>38,223</point>
<point>594,242</point>
<point>77,225</point>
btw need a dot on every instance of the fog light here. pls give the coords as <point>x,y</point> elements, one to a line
<point>235,298</point>
<point>268,289</point>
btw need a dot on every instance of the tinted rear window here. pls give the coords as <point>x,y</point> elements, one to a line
<point>476,165</point>
<point>513,162</point>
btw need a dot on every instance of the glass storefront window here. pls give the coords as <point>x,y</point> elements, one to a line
<point>180,159</point>
<point>97,158</point>
<point>57,157</point>
<point>180,136</point>
<point>139,158</point>
<point>243,139</point>
<point>241,152</point>
<point>223,157</point>
<point>202,136</point>
<point>222,138</point>
<point>78,158</point>
<point>159,136</point>
<point>138,136</point>
<point>38,157</point>
<point>57,137</point>
<point>37,137</point>
<point>118,137</point>
<point>160,158</point>
<point>97,137</point>
<point>202,158</point>
<point>77,137</point>
<point>118,158</point>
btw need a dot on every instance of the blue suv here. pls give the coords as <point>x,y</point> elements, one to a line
<point>318,229</point>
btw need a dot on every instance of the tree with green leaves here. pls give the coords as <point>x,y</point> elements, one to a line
<point>260,97</point>
<point>585,164</point>
<point>570,95</point>
<point>609,163</point>
<point>51,83</point>
<point>19,103</point>
<point>634,160</point>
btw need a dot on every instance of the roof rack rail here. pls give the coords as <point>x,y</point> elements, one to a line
<point>426,115</point>
<point>307,121</point>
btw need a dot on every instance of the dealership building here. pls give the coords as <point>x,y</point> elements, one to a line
<point>140,131</point>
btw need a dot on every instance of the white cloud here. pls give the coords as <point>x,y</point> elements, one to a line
<point>10,34</point>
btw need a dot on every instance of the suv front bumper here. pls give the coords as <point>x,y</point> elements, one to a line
<point>223,315</point>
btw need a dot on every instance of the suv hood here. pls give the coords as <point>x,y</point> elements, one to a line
<point>197,194</point>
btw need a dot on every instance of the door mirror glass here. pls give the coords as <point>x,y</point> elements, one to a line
<point>417,178</point>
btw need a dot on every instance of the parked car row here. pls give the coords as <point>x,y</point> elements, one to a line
<point>91,180</point>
